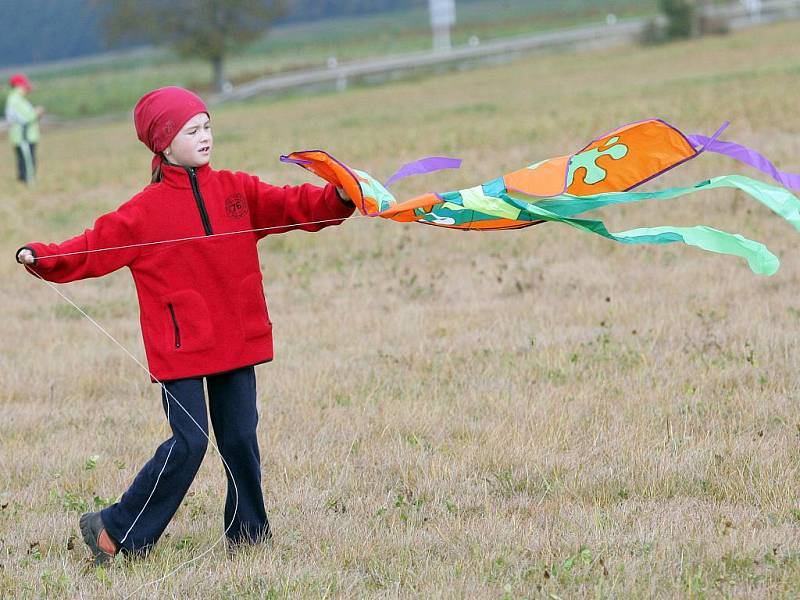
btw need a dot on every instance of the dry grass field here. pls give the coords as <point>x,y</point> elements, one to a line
<point>523,414</point>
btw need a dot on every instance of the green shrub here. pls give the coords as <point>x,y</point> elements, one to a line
<point>681,15</point>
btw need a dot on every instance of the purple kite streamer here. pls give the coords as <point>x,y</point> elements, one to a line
<point>749,157</point>
<point>708,141</point>
<point>294,161</point>
<point>422,166</point>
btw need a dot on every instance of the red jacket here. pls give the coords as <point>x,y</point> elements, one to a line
<point>201,302</point>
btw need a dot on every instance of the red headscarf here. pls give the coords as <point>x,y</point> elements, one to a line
<point>160,114</point>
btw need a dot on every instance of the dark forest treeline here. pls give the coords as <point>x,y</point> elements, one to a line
<point>41,30</point>
<point>38,30</point>
<point>320,9</point>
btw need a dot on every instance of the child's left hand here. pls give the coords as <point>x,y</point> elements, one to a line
<point>25,256</point>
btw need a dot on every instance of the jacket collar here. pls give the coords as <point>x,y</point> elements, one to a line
<point>179,177</point>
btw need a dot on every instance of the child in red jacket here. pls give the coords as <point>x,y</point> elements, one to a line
<point>202,309</point>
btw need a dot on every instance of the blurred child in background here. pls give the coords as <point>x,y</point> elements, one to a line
<point>23,126</point>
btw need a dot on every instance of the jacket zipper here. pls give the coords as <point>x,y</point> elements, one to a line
<point>201,205</point>
<point>175,325</point>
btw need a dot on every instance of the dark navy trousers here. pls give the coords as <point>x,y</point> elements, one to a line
<point>26,161</point>
<point>146,508</point>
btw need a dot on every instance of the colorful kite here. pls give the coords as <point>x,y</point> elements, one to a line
<point>559,189</point>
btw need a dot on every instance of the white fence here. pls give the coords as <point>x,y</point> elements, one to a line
<point>746,14</point>
<point>339,76</point>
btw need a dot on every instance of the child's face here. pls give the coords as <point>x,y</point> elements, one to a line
<point>192,146</point>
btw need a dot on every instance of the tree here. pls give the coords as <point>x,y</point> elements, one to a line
<point>682,16</point>
<point>206,29</point>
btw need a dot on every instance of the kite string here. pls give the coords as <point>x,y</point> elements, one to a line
<point>202,237</point>
<point>203,431</point>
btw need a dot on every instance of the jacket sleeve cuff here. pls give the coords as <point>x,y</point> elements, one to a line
<point>40,252</point>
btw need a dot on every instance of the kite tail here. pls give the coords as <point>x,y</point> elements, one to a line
<point>749,157</point>
<point>759,258</point>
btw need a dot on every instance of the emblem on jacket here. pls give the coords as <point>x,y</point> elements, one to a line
<point>235,206</point>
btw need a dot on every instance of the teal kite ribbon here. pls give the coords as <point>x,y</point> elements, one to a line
<point>761,261</point>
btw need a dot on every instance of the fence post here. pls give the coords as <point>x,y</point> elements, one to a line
<point>443,17</point>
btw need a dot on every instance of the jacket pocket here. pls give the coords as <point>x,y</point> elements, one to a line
<point>253,314</point>
<point>187,325</point>
<point>175,326</point>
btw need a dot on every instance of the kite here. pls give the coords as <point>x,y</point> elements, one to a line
<point>561,189</point>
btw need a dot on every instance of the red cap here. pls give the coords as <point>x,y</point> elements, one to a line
<point>19,80</point>
<point>160,114</point>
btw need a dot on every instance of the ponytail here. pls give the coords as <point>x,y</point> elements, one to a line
<point>155,177</point>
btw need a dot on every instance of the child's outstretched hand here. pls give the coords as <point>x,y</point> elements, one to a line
<point>344,197</point>
<point>25,257</point>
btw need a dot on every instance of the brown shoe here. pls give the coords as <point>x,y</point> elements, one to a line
<point>96,537</point>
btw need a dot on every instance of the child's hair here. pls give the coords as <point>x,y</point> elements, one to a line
<point>156,175</point>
